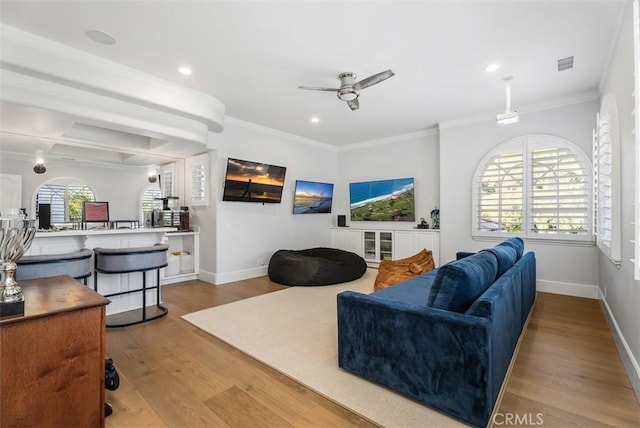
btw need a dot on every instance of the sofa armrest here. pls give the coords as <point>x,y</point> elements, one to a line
<point>438,357</point>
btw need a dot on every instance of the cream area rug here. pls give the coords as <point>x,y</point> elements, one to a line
<point>294,331</point>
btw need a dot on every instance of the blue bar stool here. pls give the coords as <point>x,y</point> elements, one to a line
<point>127,260</point>
<point>76,264</point>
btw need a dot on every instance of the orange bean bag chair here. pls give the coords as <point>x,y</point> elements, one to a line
<point>394,271</point>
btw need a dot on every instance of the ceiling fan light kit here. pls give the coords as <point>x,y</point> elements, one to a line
<point>349,89</point>
<point>509,116</point>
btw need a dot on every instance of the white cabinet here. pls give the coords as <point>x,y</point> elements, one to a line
<point>377,245</point>
<point>348,239</point>
<point>410,242</point>
<point>183,258</point>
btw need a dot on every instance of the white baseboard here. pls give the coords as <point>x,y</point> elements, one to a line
<point>239,275</point>
<point>568,288</point>
<point>178,278</point>
<point>628,360</point>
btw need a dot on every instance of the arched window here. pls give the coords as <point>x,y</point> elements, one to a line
<point>535,186</point>
<point>65,196</point>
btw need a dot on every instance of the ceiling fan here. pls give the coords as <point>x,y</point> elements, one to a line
<point>349,89</point>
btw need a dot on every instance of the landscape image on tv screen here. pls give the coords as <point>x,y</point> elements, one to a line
<point>248,181</point>
<point>312,197</point>
<point>384,200</point>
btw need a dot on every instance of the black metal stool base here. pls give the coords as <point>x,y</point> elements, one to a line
<point>125,319</point>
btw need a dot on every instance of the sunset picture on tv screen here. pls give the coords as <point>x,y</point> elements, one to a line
<point>383,200</point>
<point>253,182</point>
<point>312,197</point>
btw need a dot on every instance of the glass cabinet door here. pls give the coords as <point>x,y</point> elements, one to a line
<point>386,245</point>
<point>369,245</point>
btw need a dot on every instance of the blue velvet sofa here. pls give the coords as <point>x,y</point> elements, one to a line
<point>444,338</point>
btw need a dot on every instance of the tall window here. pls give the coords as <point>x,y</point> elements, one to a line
<point>167,180</point>
<point>606,180</point>
<point>66,197</point>
<point>536,186</point>
<point>198,190</point>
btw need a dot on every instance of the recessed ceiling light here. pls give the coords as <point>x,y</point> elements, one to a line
<point>101,37</point>
<point>185,70</point>
<point>315,119</point>
<point>492,67</point>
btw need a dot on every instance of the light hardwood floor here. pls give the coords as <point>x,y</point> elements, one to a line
<point>567,373</point>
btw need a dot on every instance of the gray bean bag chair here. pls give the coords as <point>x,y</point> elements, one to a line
<point>315,266</point>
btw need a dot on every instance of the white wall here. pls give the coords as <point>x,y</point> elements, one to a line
<point>247,234</point>
<point>570,269</point>
<point>121,186</point>
<point>411,155</point>
<point>621,294</point>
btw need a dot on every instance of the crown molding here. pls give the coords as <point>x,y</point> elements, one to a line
<point>577,98</point>
<point>394,139</point>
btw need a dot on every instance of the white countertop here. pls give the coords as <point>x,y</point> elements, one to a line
<point>53,234</point>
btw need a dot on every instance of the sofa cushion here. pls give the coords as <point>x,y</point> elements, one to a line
<point>459,283</point>
<point>505,255</point>
<point>413,291</point>
<point>516,243</point>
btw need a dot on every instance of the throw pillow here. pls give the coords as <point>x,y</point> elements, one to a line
<point>393,272</point>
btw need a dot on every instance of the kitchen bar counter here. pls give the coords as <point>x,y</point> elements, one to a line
<point>67,241</point>
<point>53,234</point>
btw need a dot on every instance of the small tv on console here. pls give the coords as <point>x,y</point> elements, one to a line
<point>248,181</point>
<point>95,212</point>
<point>312,197</point>
<point>382,200</point>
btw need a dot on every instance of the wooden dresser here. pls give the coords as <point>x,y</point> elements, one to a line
<point>52,358</point>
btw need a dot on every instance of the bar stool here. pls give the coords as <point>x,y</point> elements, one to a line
<point>128,260</point>
<point>76,264</point>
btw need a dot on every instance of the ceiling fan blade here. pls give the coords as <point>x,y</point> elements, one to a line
<point>372,80</point>
<point>354,104</point>
<point>316,88</point>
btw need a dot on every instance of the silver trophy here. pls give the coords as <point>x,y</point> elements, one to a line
<point>16,235</point>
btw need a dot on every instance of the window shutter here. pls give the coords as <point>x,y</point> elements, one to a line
<point>167,176</point>
<point>199,192</point>
<point>559,194</point>
<point>606,180</point>
<point>149,201</point>
<point>500,189</point>
<point>534,186</point>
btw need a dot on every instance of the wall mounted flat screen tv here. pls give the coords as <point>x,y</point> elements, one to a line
<point>248,181</point>
<point>95,212</point>
<point>312,197</point>
<point>383,200</point>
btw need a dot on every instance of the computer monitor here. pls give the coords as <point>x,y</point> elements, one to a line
<point>95,212</point>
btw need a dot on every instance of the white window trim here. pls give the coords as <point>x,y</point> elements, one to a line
<point>636,222</point>
<point>523,143</point>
